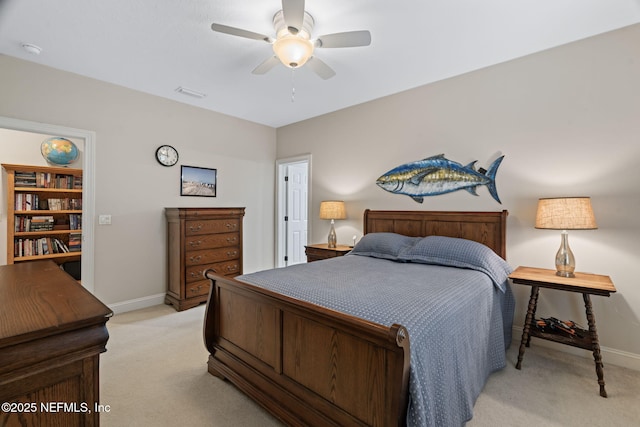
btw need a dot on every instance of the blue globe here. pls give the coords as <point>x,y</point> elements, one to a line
<point>59,151</point>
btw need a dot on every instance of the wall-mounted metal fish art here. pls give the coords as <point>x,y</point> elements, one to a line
<point>438,175</point>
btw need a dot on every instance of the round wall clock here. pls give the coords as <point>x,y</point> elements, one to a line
<point>166,155</point>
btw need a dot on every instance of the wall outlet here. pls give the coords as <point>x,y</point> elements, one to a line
<point>104,219</point>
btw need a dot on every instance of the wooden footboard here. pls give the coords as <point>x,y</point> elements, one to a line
<point>305,364</point>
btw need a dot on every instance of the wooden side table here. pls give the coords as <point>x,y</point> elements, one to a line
<point>323,251</point>
<point>586,284</point>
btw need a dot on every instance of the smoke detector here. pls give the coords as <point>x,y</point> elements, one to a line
<point>31,48</point>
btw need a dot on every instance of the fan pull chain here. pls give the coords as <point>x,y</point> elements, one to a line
<point>293,86</point>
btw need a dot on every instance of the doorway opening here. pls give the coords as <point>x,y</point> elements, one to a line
<point>88,184</point>
<point>292,205</point>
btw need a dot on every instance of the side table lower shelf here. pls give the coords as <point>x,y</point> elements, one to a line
<point>581,340</point>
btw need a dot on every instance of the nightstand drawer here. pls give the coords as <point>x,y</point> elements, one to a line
<point>323,251</point>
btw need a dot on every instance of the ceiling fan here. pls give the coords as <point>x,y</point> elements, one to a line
<point>293,45</point>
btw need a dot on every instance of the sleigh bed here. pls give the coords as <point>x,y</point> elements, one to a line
<point>318,344</point>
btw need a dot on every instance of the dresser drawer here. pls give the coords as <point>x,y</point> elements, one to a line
<point>197,227</point>
<point>210,241</point>
<point>198,288</point>
<point>208,256</point>
<point>226,268</point>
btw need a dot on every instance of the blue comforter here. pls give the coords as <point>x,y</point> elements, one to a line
<point>458,317</point>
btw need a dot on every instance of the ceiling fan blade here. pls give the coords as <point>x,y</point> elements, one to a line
<point>347,39</point>
<point>239,32</point>
<point>320,68</point>
<point>266,65</point>
<point>293,11</point>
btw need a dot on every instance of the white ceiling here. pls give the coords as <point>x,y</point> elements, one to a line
<point>155,46</point>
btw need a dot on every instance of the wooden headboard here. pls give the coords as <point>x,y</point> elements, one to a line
<point>488,228</point>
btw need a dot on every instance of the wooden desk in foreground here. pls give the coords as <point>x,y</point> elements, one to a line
<point>52,331</point>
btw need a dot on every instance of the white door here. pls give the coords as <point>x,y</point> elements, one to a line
<point>296,218</point>
<point>292,206</point>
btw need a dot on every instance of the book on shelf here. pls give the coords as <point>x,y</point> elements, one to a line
<point>25,179</point>
<point>75,221</point>
<point>75,242</point>
<point>64,204</point>
<point>33,202</point>
<point>26,202</point>
<point>60,246</point>
<point>39,246</point>
<point>47,180</point>
<point>33,223</point>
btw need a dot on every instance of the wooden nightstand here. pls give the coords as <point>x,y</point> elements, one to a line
<point>586,284</point>
<point>322,251</point>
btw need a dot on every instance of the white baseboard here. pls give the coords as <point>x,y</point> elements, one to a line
<point>609,355</point>
<point>138,303</point>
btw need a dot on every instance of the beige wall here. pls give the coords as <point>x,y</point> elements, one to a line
<point>130,254</point>
<point>567,121</point>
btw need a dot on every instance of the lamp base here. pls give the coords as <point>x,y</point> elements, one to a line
<point>565,261</point>
<point>332,241</point>
<point>565,274</point>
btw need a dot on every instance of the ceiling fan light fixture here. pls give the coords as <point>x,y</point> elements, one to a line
<point>293,46</point>
<point>293,51</point>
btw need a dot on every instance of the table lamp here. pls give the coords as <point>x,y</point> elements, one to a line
<point>565,213</point>
<point>332,209</point>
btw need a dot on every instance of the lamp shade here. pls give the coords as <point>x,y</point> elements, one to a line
<point>565,213</point>
<point>332,209</point>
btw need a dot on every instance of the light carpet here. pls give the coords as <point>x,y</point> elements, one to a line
<point>154,373</point>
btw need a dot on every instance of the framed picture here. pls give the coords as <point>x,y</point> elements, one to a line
<point>196,181</point>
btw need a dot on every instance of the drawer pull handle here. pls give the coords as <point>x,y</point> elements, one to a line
<point>232,253</point>
<point>195,258</point>
<point>198,228</point>
<point>232,267</point>
<point>231,225</point>
<point>195,243</point>
<point>231,239</point>
<point>196,274</point>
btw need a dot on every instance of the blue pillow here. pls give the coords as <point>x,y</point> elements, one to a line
<point>383,245</point>
<point>454,252</point>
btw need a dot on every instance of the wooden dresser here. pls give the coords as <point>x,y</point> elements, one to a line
<point>52,331</point>
<point>200,239</point>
